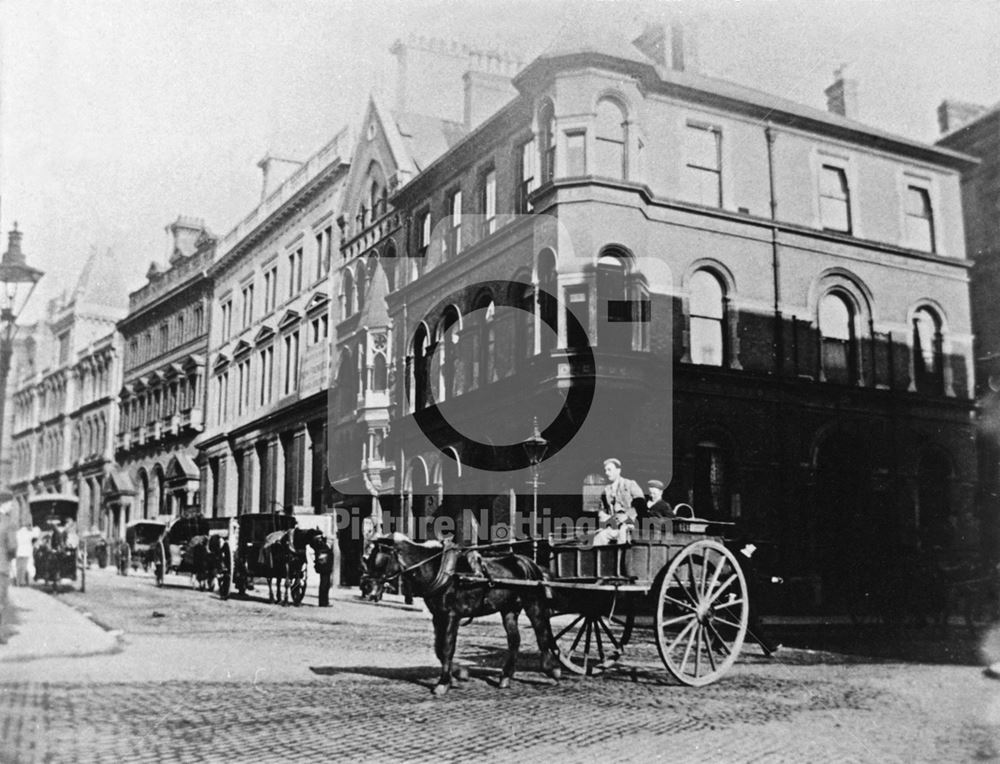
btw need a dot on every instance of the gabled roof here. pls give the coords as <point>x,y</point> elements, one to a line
<point>221,362</point>
<point>242,348</point>
<point>102,281</point>
<point>193,361</point>
<point>426,138</point>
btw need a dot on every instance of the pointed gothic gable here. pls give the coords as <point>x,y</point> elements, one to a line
<point>290,318</point>
<point>376,312</point>
<point>317,301</point>
<point>266,333</point>
<point>379,142</point>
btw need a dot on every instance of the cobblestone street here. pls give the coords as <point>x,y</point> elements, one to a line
<point>198,679</point>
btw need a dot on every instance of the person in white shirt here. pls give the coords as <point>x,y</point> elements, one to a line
<point>23,555</point>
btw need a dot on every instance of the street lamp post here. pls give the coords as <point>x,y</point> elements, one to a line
<point>535,448</point>
<point>18,280</point>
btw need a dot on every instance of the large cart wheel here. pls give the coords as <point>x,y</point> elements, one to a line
<point>701,613</point>
<point>589,643</point>
<point>159,563</point>
<point>225,572</point>
<point>298,589</point>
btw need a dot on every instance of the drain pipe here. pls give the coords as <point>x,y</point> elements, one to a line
<point>778,344</point>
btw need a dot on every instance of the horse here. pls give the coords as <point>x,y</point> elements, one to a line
<point>283,556</point>
<point>49,558</point>
<point>432,570</point>
<point>202,562</point>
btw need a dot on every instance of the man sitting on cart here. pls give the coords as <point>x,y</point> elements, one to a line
<point>620,502</point>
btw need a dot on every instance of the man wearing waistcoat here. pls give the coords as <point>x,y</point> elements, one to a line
<point>620,502</point>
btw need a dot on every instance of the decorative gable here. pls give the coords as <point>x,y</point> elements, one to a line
<point>288,320</point>
<point>221,362</point>
<point>266,333</point>
<point>317,302</point>
<point>242,349</point>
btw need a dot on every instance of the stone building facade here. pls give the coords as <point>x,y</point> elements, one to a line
<point>976,131</point>
<point>66,408</point>
<point>165,340</point>
<point>264,444</point>
<point>763,303</point>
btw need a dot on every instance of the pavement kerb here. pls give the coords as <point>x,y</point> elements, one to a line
<point>45,628</point>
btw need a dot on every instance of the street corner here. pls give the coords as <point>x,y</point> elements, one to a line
<point>43,627</point>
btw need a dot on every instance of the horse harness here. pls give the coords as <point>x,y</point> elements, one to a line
<point>449,555</point>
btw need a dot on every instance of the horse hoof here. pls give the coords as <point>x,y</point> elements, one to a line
<point>440,689</point>
<point>462,674</point>
<point>505,683</point>
<point>556,674</point>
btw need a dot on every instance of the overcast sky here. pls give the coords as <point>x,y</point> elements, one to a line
<point>118,115</point>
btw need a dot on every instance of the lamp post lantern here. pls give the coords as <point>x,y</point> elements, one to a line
<point>535,448</point>
<point>18,280</point>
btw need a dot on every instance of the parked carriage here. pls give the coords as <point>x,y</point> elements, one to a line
<point>247,537</point>
<point>184,548</point>
<point>141,536</point>
<point>58,553</point>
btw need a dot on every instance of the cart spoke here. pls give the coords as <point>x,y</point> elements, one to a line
<point>574,623</point>
<point>597,634</point>
<point>680,635</point>
<point>705,562</point>
<point>610,635</point>
<point>693,577</point>
<point>678,619</point>
<point>586,646</point>
<point>715,575</point>
<point>685,605</point>
<point>682,585</point>
<point>687,648</point>
<point>718,592</point>
<point>708,649</point>
<point>579,634</point>
<point>728,623</point>
<point>719,641</point>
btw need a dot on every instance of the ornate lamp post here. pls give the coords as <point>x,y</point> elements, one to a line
<point>535,448</point>
<point>18,280</point>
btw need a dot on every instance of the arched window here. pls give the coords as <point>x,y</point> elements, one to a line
<point>360,284</point>
<point>838,337</point>
<point>380,373</point>
<point>547,129</point>
<point>548,302</point>
<point>708,319</point>
<point>448,355</point>
<point>524,328</point>
<point>418,373</point>
<point>347,385</point>
<point>490,368</point>
<point>610,133</point>
<point>928,369</point>
<point>613,305</point>
<point>348,293</point>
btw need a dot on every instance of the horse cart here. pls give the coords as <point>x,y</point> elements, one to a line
<point>675,580</point>
<point>185,547</point>
<point>141,537</point>
<point>58,554</point>
<point>675,575</point>
<point>249,535</point>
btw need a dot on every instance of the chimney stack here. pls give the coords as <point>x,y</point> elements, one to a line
<point>842,95</point>
<point>954,114</point>
<point>185,232</point>
<point>271,176</point>
<point>674,46</point>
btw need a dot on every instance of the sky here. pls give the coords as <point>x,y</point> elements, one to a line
<point>116,116</point>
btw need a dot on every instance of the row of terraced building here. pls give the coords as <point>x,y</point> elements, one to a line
<point>764,304</point>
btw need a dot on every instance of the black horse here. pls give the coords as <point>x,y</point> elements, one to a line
<point>203,562</point>
<point>432,570</point>
<point>283,557</point>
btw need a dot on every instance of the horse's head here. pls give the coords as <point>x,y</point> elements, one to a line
<point>379,565</point>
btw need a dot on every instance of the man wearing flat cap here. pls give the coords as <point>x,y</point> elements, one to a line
<point>657,507</point>
<point>620,502</point>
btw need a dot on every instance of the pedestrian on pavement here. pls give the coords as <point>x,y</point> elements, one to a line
<point>620,502</point>
<point>8,552</point>
<point>24,549</point>
<point>323,563</point>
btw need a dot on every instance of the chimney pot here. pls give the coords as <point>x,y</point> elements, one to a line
<point>842,95</point>
<point>954,114</point>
